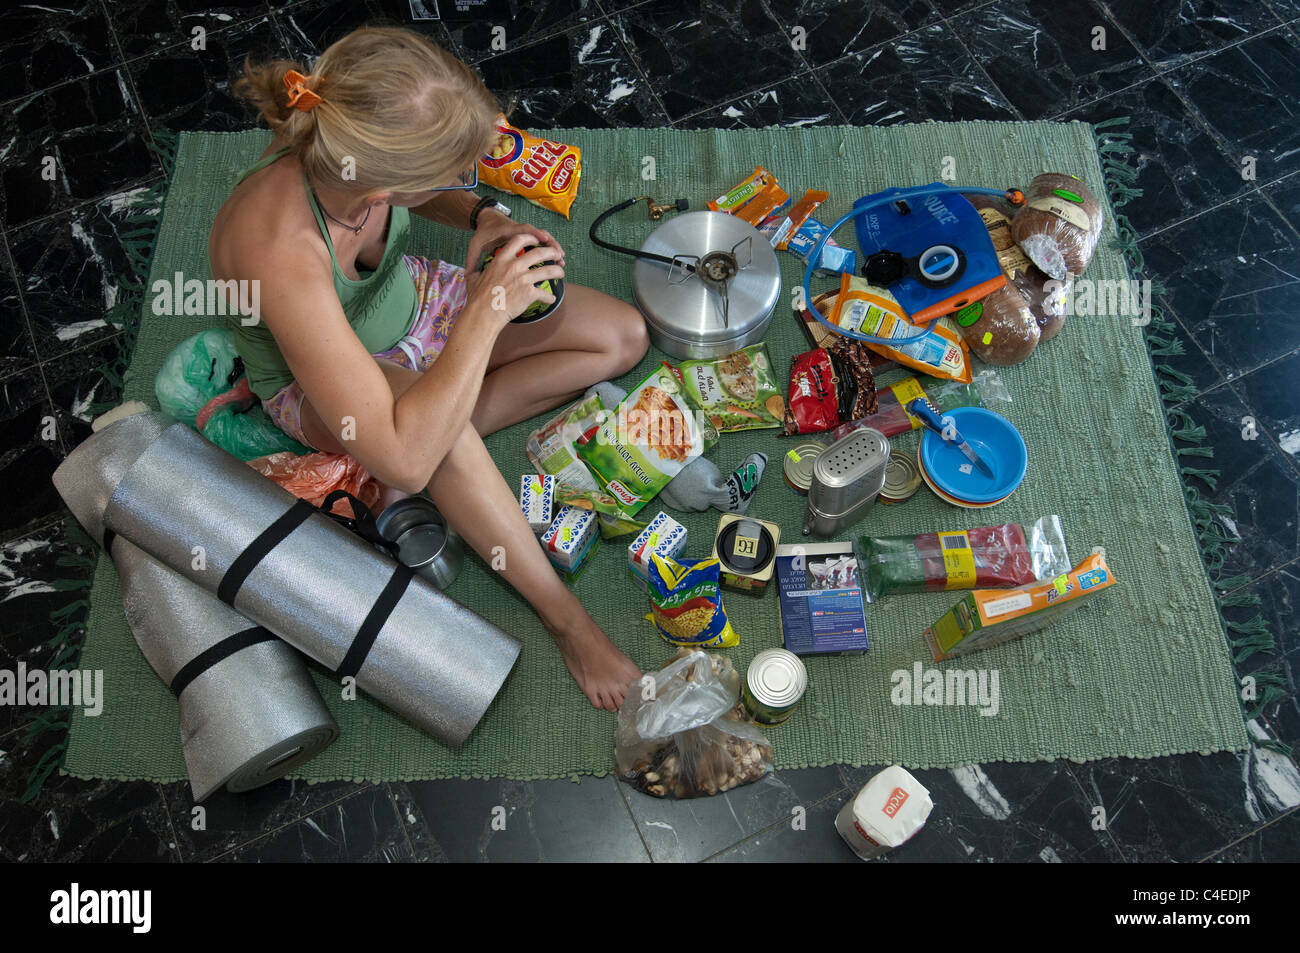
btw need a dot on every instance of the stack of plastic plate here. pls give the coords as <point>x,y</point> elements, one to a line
<point>952,477</point>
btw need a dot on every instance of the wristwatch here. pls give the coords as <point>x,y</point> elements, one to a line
<point>486,202</point>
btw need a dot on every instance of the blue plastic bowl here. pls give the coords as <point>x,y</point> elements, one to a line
<point>994,439</point>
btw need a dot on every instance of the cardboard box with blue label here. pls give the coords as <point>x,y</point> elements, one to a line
<point>537,500</point>
<point>665,536</point>
<point>821,599</point>
<point>570,541</point>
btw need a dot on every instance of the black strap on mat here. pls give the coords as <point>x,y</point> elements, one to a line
<point>258,549</point>
<point>217,653</point>
<point>362,522</point>
<point>374,621</point>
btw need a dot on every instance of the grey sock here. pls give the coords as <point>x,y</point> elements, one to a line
<point>701,485</point>
<point>611,395</point>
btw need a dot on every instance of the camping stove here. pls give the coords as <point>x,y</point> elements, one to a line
<point>719,292</point>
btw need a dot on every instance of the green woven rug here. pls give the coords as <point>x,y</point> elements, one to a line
<point>1144,672</point>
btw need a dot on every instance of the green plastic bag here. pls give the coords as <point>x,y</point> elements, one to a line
<point>206,365</point>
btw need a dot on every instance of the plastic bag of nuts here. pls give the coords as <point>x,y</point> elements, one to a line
<point>682,731</point>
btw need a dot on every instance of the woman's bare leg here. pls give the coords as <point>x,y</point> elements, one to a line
<point>469,489</point>
<point>487,514</point>
<point>534,367</point>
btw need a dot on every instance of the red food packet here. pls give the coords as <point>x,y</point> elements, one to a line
<point>813,405</point>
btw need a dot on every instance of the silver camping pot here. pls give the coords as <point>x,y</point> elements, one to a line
<point>425,542</point>
<point>846,479</point>
<point>720,291</point>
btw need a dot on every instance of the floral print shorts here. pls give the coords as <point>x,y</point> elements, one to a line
<point>440,291</point>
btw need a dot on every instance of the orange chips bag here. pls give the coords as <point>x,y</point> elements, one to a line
<point>541,170</point>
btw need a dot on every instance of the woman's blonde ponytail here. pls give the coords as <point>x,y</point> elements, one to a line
<point>398,113</point>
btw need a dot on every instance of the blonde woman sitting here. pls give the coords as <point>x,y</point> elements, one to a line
<point>402,361</point>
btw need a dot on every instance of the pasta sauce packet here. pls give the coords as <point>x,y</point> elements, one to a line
<point>736,392</point>
<point>541,170</point>
<point>648,440</point>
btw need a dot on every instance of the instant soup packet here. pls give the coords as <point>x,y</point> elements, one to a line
<point>543,171</point>
<point>866,309</point>
<point>654,433</point>
<point>553,449</point>
<point>613,521</point>
<point>736,392</point>
<point>686,602</point>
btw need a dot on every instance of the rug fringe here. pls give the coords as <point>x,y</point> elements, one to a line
<point>138,237</point>
<point>1249,638</point>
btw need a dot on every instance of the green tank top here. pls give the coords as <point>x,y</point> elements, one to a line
<point>380,307</point>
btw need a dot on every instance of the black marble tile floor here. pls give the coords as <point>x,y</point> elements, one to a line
<point>1213,89</point>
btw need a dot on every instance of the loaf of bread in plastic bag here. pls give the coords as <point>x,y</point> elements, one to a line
<point>1059,225</point>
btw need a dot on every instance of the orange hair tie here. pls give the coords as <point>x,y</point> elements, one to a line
<point>300,97</point>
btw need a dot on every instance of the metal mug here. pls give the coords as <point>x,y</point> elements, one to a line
<point>425,541</point>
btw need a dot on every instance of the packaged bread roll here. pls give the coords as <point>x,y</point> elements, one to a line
<point>1059,224</point>
<point>1000,329</point>
<point>1045,297</point>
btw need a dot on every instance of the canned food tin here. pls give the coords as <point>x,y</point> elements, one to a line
<point>798,466</point>
<point>746,549</point>
<point>902,479</point>
<point>774,684</point>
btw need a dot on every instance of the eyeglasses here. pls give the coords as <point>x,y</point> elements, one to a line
<point>467,180</point>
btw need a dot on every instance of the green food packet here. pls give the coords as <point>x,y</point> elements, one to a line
<point>610,516</point>
<point>647,441</point>
<point>737,392</point>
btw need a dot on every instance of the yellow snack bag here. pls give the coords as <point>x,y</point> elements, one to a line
<point>541,170</point>
<point>686,602</point>
<point>866,309</point>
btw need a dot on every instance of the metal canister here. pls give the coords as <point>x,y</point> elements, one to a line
<point>746,549</point>
<point>798,465</point>
<point>902,479</point>
<point>425,542</point>
<point>847,478</point>
<point>773,686</point>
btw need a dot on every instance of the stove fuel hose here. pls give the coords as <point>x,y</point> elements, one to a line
<point>680,205</point>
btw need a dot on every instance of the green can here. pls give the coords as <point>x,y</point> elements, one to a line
<point>774,684</point>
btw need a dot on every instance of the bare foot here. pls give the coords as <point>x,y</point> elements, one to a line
<point>596,664</point>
